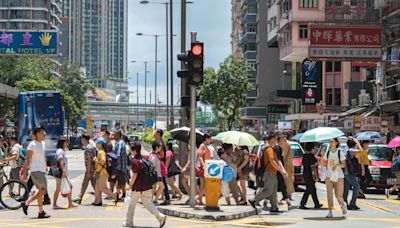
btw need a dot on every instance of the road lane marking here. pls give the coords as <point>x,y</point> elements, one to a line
<point>374,206</point>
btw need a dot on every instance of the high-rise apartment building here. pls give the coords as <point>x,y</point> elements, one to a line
<point>28,14</point>
<point>95,33</point>
<point>249,20</point>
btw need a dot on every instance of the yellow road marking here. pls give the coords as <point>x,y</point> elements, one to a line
<point>373,206</point>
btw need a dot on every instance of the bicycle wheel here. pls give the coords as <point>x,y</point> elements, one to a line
<point>12,194</point>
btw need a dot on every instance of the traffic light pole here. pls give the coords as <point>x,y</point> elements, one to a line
<point>183,121</point>
<point>193,138</point>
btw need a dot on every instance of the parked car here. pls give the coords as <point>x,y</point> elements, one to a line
<point>380,167</point>
<point>74,142</point>
<point>297,153</point>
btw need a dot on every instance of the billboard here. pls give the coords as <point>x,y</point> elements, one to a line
<point>28,43</point>
<point>311,92</point>
<point>345,42</point>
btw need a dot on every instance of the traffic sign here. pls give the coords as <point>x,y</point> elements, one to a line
<point>149,123</point>
<point>213,169</point>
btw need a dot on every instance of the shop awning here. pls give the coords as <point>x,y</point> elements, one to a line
<point>390,106</point>
<point>8,91</point>
<point>370,112</point>
<point>352,111</point>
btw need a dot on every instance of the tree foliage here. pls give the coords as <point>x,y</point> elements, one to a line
<point>36,74</point>
<point>226,89</point>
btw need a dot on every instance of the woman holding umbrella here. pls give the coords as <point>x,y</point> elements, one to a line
<point>334,175</point>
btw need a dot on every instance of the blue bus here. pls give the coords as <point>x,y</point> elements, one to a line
<point>41,108</point>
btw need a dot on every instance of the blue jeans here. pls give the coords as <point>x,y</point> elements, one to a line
<point>351,180</point>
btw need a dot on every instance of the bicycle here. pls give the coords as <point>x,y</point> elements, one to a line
<point>12,192</point>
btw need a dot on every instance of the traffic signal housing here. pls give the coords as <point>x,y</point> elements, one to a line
<point>194,59</point>
<point>196,63</point>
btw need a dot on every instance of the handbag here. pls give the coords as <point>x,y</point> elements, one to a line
<point>56,170</point>
<point>173,168</point>
<point>65,187</point>
<point>200,172</point>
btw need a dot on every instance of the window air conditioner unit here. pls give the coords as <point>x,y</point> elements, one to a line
<point>364,98</point>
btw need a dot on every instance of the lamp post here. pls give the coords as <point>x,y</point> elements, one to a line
<point>169,59</point>
<point>145,85</point>
<point>155,71</point>
<point>137,96</point>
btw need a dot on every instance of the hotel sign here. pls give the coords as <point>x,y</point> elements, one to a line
<point>345,42</point>
<point>28,43</point>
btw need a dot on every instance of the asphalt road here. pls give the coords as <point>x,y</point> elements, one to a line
<point>376,211</point>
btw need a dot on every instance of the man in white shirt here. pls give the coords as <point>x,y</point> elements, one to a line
<point>15,155</point>
<point>36,163</point>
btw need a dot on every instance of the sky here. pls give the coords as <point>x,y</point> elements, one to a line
<point>211,19</point>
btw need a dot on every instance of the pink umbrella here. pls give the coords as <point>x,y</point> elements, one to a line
<point>394,142</point>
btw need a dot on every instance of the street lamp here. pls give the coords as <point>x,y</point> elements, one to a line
<point>137,96</point>
<point>155,71</point>
<point>145,84</point>
<point>169,64</point>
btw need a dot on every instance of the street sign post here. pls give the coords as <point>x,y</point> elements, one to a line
<point>213,171</point>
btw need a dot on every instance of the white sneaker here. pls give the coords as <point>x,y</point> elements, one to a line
<point>329,215</point>
<point>344,209</point>
<point>387,192</point>
<point>288,202</point>
<point>126,224</point>
<point>163,220</point>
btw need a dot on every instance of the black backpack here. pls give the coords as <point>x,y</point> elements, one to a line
<point>352,164</point>
<point>148,175</point>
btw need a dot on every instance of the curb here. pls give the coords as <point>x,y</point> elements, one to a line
<point>203,215</point>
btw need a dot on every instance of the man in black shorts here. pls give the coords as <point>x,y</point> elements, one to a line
<point>36,163</point>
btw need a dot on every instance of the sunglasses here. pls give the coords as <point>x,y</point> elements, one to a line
<point>331,141</point>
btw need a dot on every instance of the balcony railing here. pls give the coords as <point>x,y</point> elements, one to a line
<point>354,11</point>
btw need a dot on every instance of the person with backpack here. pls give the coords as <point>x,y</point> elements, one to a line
<point>144,176</point>
<point>351,171</point>
<point>396,170</point>
<point>310,164</point>
<point>101,174</point>
<point>270,165</point>
<point>334,176</point>
<point>89,154</point>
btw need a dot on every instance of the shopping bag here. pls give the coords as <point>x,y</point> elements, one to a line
<point>65,187</point>
<point>127,200</point>
<point>322,173</point>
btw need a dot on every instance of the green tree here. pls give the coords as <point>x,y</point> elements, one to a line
<point>226,89</point>
<point>27,74</point>
<point>73,88</point>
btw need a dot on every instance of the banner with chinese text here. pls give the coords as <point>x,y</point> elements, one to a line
<point>28,43</point>
<point>345,42</point>
<point>311,92</point>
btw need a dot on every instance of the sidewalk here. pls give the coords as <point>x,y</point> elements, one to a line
<point>178,208</point>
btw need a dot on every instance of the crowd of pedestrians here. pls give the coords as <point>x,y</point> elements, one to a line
<point>118,169</point>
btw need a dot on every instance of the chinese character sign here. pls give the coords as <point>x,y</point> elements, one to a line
<point>371,123</point>
<point>312,82</point>
<point>345,42</point>
<point>346,35</point>
<point>28,43</point>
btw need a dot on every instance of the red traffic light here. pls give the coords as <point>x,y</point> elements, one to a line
<point>197,49</point>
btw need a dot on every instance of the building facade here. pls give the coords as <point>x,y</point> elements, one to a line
<point>29,14</point>
<point>266,67</point>
<point>97,36</point>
